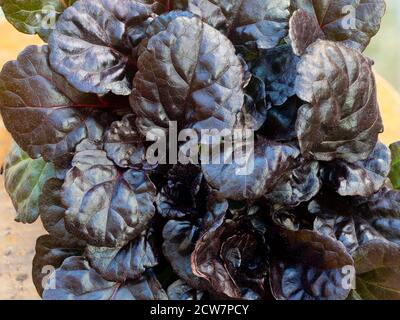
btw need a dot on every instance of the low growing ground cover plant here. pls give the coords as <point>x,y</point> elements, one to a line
<point>316,214</point>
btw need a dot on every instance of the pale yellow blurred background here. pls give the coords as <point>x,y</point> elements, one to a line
<point>17,241</point>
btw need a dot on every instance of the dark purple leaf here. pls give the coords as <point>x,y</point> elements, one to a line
<point>179,241</point>
<point>351,22</point>
<point>106,207</point>
<point>45,115</point>
<point>384,203</point>
<point>309,266</point>
<point>354,226</point>
<point>92,45</point>
<point>339,219</point>
<point>76,280</point>
<point>128,262</point>
<point>300,282</point>
<point>50,254</point>
<point>124,145</point>
<point>230,257</point>
<point>388,228</point>
<point>189,73</point>
<point>286,220</point>
<point>304,30</point>
<point>255,23</point>
<point>376,254</point>
<point>207,263</point>
<point>342,119</point>
<point>52,211</point>
<point>362,178</point>
<point>254,174</point>
<point>301,185</point>
<point>338,227</point>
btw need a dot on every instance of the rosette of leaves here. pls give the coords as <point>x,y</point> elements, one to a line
<point>311,212</point>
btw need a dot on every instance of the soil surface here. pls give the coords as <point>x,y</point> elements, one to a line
<point>17,248</point>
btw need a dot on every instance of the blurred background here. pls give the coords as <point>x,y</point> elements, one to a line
<point>17,241</point>
<point>385,46</point>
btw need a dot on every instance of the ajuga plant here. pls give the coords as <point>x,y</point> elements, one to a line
<point>317,217</point>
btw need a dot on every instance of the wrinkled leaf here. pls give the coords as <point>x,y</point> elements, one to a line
<point>342,119</point>
<point>179,241</point>
<point>93,42</point>
<point>50,253</point>
<point>388,228</point>
<point>76,280</point>
<point>337,219</point>
<point>355,226</point>
<point>52,211</point>
<point>255,23</point>
<point>301,185</point>
<point>128,262</point>
<point>106,207</point>
<point>230,257</point>
<point>309,267</point>
<point>395,170</point>
<point>189,73</point>
<point>362,178</point>
<point>338,227</point>
<point>207,263</point>
<point>304,30</point>
<point>45,115</point>
<point>24,180</point>
<point>382,211</point>
<point>252,174</point>
<point>299,282</point>
<point>384,203</point>
<point>351,22</point>
<point>123,143</point>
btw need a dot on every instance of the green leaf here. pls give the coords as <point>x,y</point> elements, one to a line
<point>395,171</point>
<point>24,179</point>
<point>34,16</point>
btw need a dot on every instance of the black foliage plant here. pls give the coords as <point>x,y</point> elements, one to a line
<point>316,217</point>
